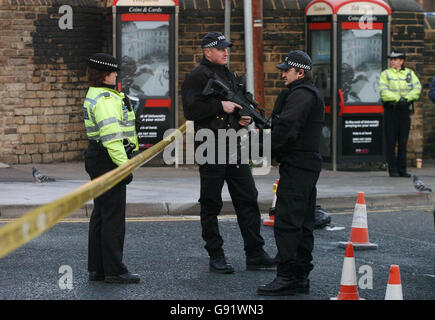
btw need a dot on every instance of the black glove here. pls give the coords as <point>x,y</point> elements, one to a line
<point>402,103</point>
<point>127,103</point>
<point>128,179</point>
<point>129,147</point>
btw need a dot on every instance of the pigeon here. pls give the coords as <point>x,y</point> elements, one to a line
<point>420,186</point>
<point>38,176</point>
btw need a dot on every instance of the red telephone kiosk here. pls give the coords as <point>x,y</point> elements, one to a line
<point>145,43</point>
<point>349,43</point>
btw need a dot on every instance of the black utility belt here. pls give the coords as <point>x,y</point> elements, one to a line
<point>396,106</point>
<point>95,143</point>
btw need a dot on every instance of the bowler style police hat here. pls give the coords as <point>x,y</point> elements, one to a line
<point>397,54</point>
<point>215,39</point>
<point>296,59</point>
<point>104,62</point>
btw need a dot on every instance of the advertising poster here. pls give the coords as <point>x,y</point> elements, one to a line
<point>145,76</point>
<point>361,65</point>
<point>362,135</point>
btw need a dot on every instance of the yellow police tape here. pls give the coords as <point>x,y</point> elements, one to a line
<point>37,221</point>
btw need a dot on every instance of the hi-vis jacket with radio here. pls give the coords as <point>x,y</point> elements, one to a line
<point>108,121</point>
<point>394,84</point>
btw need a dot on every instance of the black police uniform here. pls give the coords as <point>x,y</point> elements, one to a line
<point>398,89</point>
<point>207,112</point>
<point>107,223</point>
<point>296,130</point>
<point>295,144</point>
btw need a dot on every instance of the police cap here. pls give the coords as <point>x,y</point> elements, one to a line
<point>215,39</point>
<point>296,59</point>
<point>397,54</point>
<point>104,62</point>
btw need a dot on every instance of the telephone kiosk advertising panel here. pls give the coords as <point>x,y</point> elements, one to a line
<point>145,45</point>
<point>348,42</point>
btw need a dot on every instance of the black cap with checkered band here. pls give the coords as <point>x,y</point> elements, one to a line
<point>296,59</point>
<point>215,39</point>
<point>104,62</point>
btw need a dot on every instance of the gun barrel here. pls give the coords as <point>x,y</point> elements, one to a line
<point>244,99</point>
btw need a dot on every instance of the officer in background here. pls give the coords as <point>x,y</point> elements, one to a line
<point>296,131</point>
<point>213,114</point>
<point>399,87</point>
<point>110,127</point>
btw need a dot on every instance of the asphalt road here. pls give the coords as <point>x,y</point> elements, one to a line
<point>173,265</point>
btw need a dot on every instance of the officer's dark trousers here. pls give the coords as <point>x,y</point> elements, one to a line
<point>241,187</point>
<point>397,123</point>
<point>294,220</point>
<point>107,223</point>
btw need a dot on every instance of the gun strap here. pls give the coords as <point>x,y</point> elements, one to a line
<point>213,75</point>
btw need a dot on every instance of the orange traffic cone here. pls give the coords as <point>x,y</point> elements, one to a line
<point>348,287</point>
<point>359,234</point>
<point>271,220</point>
<point>394,286</point>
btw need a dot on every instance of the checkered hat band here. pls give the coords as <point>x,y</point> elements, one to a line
<point>298,65</point>
<point>211,44</point>
<point>105,63</point>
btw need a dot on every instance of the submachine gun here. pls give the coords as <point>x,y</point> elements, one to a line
<point>243,98</point>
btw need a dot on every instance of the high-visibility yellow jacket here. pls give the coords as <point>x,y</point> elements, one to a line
<point>395,84</point>
<point>108,121</point>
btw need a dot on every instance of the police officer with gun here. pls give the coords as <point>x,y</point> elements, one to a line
<point>399,87</point>
<point>110,127</point>
<point>214,113</point>
<point>296,130</point>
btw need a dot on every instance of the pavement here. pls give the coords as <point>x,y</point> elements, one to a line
<point>170,191</point>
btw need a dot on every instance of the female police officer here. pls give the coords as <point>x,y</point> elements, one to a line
<point>398,87</point>
<point>109,122</point>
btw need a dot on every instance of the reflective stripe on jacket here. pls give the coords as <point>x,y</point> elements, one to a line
<point>394,84</point>
<point>108,120</point>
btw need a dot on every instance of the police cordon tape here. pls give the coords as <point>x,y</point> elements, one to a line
<point>35,222</point>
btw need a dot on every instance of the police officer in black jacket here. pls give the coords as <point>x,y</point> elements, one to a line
<point>213,114</point>
<point>296,130</point>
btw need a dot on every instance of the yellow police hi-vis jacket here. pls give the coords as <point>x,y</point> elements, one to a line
<point>394,85</point>
<point>107,120</point>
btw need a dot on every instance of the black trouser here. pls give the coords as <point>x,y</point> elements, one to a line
<point>241,187</point>
<point>107,223</point>
<point>294,220</point>
<point>397,123</point>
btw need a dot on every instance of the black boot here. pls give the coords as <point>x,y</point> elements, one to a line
<point>285,286</point>
<point>260,261</point>
<point>123,278</point>
<point>280,286</point>
<point>303,284</point>
<point>219,265</point>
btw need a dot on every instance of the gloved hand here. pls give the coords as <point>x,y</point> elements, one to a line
<point>127,103</point>
<point>128,179</point>
<point>402,102</point>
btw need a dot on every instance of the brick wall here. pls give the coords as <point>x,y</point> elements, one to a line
<point>279,39</point>
<point>429,106</point>
<point>407,33</point>
<point>42,79</point>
